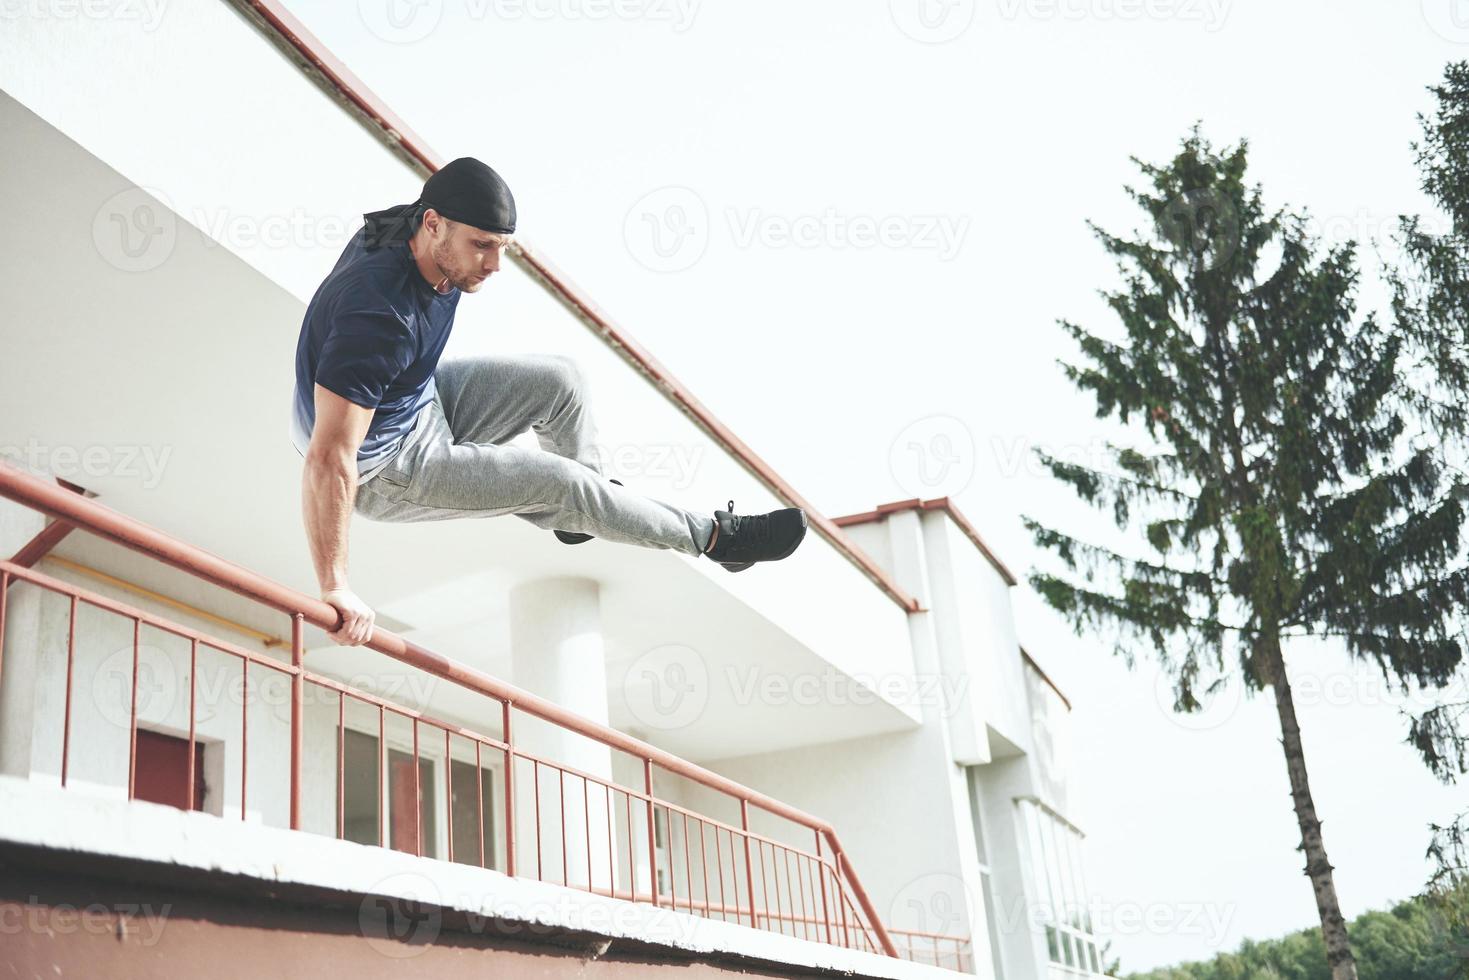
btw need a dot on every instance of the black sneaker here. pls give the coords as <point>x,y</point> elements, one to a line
<point>749,538</point>
<point>576,537</point>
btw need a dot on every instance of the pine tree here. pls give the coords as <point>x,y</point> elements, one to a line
<point>1431,306</point>
<point>1281,487</point>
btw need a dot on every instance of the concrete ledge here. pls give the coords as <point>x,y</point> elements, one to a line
<point>69,829</point>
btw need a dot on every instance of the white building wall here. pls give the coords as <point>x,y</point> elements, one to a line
<point>1040,775</point>
<point>1011,732</point>
<point>1022,945</point>
<point>977,624</point>
<point>1050,738</point>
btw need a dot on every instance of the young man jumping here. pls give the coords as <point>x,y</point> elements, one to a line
<point>388,431</point>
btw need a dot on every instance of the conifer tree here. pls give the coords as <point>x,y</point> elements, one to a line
<point>1431,306</point>
<point>1280,484</point>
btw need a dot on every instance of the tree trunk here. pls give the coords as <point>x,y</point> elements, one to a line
<point>1318,868</point>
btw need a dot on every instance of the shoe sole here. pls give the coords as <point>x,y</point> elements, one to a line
<point>572,537</point>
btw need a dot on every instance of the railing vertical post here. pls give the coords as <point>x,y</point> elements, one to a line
<point>193,709</point>
<point>652,844</point>
<point>688,867</point>
<point>749,867</point>
<point>4,591</point>
<point>298,698</point>
<point>773,918</point>
<point>417,797</point>
<point>341,766</point>
<point>611,848</point>
<point>719,864</point>
<point>244,733</point>
<point>383,791</point>
<point>821,869</point>
<point>449,793</point>
<point>133,719</point>
<point>509,790</point>
<point>479,801</point>
<point>704,868</point>
<point>632,852</point>
<point>561,784</point>
<point>841,896</point>
<point>71,640</point>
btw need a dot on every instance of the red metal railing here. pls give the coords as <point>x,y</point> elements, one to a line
<point>715,868</point>
<point>953,952</point>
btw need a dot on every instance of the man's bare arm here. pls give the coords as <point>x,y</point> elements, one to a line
<point>328,489</point>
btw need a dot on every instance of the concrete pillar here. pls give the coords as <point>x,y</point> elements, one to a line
<point>557,652</point>
<point>19,648</point>
<point>945,903</point>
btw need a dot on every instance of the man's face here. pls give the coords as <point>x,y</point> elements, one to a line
<point>466,256</point>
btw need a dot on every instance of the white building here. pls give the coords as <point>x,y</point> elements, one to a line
<point>157,261</point>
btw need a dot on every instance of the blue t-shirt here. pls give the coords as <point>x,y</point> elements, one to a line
<point>373,334</point>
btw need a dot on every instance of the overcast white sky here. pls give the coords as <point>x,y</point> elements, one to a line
<point>869,215</point>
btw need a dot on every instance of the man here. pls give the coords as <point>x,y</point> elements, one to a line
<point>390,433</point>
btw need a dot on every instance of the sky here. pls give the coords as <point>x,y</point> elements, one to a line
<point>850,228</point>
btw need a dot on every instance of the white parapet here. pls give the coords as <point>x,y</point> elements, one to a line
<point>70,822</point>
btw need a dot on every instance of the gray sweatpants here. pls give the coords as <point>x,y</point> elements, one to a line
<point>455,462</point>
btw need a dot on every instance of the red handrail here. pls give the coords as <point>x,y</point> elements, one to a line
<point>81,512</point>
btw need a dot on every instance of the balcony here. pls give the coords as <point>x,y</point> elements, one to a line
<point>150,709</point>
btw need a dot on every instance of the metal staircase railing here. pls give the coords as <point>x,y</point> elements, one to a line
<point>816,894</point>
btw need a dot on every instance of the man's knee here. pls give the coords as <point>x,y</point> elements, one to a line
<point>563,373</point>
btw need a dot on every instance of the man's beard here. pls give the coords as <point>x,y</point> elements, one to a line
<point>463,281</point>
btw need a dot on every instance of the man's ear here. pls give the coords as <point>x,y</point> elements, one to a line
<point>435,222</point>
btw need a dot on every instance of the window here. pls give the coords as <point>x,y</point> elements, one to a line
<point>408,831</point>
<point>416,829</point>
<point>1054,848</point>
<point>986,884</point>
<point>361,787</point>
<point>362,796</point>
<point>162,771</point>
<point>660,845</point>
<point>473,801</point>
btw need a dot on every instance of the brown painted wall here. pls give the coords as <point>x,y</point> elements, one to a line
<point>69,916</point>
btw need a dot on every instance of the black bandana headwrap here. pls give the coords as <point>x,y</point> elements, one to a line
<point>463,190</point>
